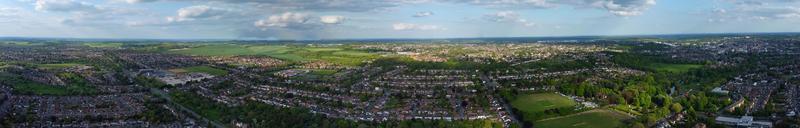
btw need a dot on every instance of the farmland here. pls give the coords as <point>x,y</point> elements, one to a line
<point>335,55</point>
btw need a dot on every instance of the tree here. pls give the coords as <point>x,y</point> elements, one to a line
<point>637,125</point>
<point>676,107</point>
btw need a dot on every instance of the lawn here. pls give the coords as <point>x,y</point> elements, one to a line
<point>201,69</point>
<point>57,66</point>
<point>674,68</point>
<point>541,101</point>
<point>598,118</point>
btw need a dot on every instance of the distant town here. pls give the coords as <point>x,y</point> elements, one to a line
<point>664,81</point>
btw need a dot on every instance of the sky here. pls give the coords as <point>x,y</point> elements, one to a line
<point>371,19</point>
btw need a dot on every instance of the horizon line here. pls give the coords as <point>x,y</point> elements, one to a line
<point>366,39</point>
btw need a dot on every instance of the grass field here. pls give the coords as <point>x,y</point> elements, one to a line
<point>201,69</point>
<point>598,118</point>
<point>57,66</point>
<point>288,53</point>
<point>674,68</point>
<point>104,45</point>
<point>40,89</point>
<point>16,43</point>
<point>541,101</point>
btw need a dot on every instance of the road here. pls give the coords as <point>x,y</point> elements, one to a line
<point>492,86</point>
<point>163,94</point>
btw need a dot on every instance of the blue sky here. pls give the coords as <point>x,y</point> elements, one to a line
<point>349,19</point>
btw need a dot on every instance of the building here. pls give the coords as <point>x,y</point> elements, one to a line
<point>720,91</point>
<point>744,122</point>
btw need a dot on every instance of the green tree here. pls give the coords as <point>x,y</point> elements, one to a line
<point>676,107</point>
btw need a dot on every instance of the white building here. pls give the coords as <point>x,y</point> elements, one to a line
<point>744,121</point>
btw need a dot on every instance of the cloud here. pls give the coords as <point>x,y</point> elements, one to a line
<point>628,7</point>
<point>423,14</point>
<point>311,5</point>
<point>623,8</point>
<point>748,10</point>
<point>292,20</point>
<point>64,6</point>
<point>139,1</point>
<point>508,4</point>
<point>198,12</point>
<point>331,19</point>
<point>410,26</point>
<point>9,12</point>
<point>508,17</point>
<point>616,7</point>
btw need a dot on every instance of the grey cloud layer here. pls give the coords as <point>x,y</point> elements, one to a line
<point>616,7</point>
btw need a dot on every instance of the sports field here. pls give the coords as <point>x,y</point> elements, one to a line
<point>598,118</point>
<point>541,101</point>
<point>201,69</point>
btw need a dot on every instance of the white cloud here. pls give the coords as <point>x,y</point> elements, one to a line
<point>616,7</point>
<point>508,17</point>
<point>311,5</point>
<point>288,19</point>
<point>64,6</point>
<point>198,12</point>
<point>332,19</point>
<point>423,14</point>
<point>9,12</point>
<point>410,26</point>
<point>139,1</point>
<point>627,7</point>
<point>507,4</point>
<point>749,10</point>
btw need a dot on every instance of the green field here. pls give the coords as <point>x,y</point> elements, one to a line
<point>103,45</point>
<point>598,118</point>
<point>674,68</point>
<point>288,53</point>
<point>57,66</point>
<point>201,69</point>
<point>16,43</point>
<point>542,101</point>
